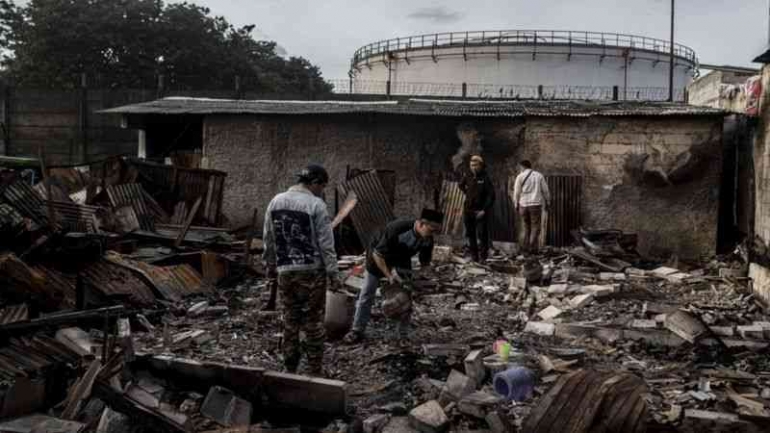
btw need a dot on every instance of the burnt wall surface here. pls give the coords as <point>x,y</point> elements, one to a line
<point>759,270</point>
<point>658,177</point>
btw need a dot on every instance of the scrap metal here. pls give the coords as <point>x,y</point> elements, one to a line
<point>373,211</point>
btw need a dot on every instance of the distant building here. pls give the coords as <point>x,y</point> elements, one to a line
<point>721,89</point>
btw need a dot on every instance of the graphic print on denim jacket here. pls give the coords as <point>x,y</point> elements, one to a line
<point>293,238</point>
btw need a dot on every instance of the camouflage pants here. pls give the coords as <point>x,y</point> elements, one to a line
<point>303,296</point>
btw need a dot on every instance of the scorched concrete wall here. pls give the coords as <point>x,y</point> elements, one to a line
<point>658,177</point>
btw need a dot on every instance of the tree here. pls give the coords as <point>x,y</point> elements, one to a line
<point>128,43</point>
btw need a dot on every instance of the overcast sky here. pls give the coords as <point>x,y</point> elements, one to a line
<point>328,32</point>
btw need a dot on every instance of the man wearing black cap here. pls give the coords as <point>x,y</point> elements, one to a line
<point>299,246</point>
<point>390,256</point>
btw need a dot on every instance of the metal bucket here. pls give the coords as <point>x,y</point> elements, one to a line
<point>340,308</point>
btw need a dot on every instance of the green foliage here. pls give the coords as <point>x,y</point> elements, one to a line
<point>129,43</point>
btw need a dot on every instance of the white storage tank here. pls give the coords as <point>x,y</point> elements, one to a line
<point>523,64</point>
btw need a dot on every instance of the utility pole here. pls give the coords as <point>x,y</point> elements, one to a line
<point>671,59</point>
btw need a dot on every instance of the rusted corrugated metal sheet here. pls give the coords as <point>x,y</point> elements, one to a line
<point>452,202</point>
<point>76,217</point>
<point>503,223</point>
<point>564,214</point>
<point>26,201</point>
<point>187,185</point>
<point>13,314</point>
<point>172,282</point>
<point>115,281</point>
<point>61,284</point>
<point>373,211</point>
<point>27,356</point>
<point>10,218</point>
<point>131,194</point>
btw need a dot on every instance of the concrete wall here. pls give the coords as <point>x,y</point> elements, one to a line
<point>759,271</point>
<point>614,155</point>
<point>720,89</point>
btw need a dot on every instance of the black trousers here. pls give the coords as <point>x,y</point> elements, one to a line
<point>477,230</point>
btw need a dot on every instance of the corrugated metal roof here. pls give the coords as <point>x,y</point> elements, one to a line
<point>173,282</point>
<point>13,314</point>
<point>373,211</point>
<point>113,280</point>
<point>420,107</point>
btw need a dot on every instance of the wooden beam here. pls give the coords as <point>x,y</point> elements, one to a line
<point>188,223</point>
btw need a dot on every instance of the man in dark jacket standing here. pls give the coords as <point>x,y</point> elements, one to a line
<point>479,199</point>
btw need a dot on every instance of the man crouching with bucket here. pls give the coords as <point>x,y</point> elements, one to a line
<point>390,257</point>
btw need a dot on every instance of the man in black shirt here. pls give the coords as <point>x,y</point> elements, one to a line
<point>479,199</point>
<point>390,256</point>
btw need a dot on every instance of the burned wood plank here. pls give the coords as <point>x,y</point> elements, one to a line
<point>81,391</point>
<point>584,400</point>
<point>309,393</point>
<point>187,223</point>
<point>686,326</point>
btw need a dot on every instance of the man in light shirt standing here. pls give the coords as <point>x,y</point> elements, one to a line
<point>530,196</point>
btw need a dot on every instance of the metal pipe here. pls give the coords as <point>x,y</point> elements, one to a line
<point>671,58</point>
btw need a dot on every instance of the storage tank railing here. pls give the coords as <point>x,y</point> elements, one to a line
<point>522,37</point>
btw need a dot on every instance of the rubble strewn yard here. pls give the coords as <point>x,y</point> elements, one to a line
<point>118,312</point>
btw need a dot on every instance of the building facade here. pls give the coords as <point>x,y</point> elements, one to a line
<point>648,169</point>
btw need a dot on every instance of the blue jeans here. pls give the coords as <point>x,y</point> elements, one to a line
<point>366,300</point>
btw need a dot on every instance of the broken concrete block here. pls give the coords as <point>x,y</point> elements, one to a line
<point>478,404</point>
<point>549,313</point>
<point>723,331</point>
<point>540,328</point>
<point>686,326</point>
<point>581,301</point>
<point>635,272</point>
<point>612,276</point>
<point>498,423</point>
<point>557,289</point>
<point>375,423</point>
<point>663,272</point>
<point>474,367</point>
<point>398,424</point>
<point>598,291</point>
<point>644,324</point>
<point>457,386</point>
<point>751,332</point>
<point>660,318</point>
<point>429,418</point>
<point>224,407</point>
<point>709,415</point>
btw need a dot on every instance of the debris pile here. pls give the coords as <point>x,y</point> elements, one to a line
<point>127,303</point>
